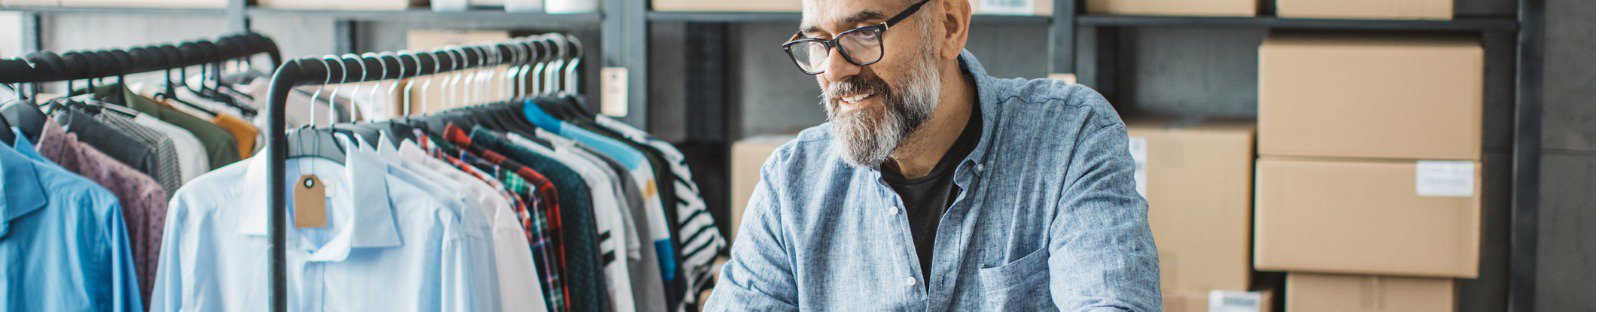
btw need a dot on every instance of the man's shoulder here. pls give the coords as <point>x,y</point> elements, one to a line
<point>1045,99</point>
<point>1047,108</point>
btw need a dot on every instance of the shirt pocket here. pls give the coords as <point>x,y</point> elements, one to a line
<point>1021,285</point>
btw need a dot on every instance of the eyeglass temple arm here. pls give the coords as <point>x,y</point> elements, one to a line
<point>904,14</point>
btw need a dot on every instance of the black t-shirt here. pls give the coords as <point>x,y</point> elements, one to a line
<point>926,198</point>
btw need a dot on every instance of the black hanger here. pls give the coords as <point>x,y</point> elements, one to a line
<point>5,134</point>
<point>26,116</point>
<point>316,142</point>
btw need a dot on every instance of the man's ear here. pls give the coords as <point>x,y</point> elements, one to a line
<point>951,26</point>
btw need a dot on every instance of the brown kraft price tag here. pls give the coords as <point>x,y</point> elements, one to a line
<point>310,202</point>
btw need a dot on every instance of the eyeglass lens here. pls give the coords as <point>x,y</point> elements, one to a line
<point>862,47</point>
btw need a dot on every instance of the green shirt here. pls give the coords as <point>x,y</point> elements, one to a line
<point>221,148</point>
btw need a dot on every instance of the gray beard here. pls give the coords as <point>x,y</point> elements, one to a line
<point>868,136</point>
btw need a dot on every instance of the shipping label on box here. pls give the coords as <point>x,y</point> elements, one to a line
<point>1141,156</point>
<point>1005,7</point>
<point>1240,301</point>
<point>1446,178</point>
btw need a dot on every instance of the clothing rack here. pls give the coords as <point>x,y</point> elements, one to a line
<point>353,69</point>
<point>41,67</point>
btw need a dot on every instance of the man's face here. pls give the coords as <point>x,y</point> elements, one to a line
<point>873,108</point>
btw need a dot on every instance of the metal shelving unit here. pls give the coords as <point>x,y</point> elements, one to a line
<point>625,33</point>
<point>510,19</point>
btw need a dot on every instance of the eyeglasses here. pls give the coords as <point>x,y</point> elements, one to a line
<point>861,46</point>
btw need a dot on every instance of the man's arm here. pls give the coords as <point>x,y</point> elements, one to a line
<point>1102,257</point>
<point>759,276</point>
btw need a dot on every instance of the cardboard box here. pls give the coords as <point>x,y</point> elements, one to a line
<point>994,7</point>
<point>182,4</point>
<point>1371,96</point>
<point>1368,9</point>
<point>1197,176</point>
<point>748,156</point>
<point>726,6</point>
<point>377,5</point>
<point>1351,293</point>
<point>30,3</point>
<point>1175,7</point>
<point>1013,7</point>
<point>1401,218</point>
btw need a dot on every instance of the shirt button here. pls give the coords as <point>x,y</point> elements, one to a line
<point>980,167</point>
<point>894,210</point>
<point>911,281</point>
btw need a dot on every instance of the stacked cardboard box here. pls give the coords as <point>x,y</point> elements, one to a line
<point>1175,7</point>
<point>997,7</point>
<point>1369,168</point>
<point>748,156</point>
<point>1368,9</point>
<point>171,4</point>
<point>380,5</point>
<point>1196,175</point>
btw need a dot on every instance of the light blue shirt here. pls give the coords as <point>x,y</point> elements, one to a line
<point>389,245</point>
<point>63,245</point>
<point>1048,219</point>
<point>638,167</point>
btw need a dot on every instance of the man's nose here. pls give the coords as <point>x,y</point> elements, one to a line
<point>838,68</point>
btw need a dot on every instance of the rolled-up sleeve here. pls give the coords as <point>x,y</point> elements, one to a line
<point>759,275</point>
<point>1102,256</point>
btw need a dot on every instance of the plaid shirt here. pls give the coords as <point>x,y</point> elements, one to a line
<point>530,189</point>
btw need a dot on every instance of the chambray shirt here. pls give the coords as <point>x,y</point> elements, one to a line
<point>389,244</point>
<point>63,245</point>
<point>1048,220</point>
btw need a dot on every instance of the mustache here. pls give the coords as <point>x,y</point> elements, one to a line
<point>857,84</point>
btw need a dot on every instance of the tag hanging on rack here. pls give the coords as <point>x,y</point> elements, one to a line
<point>310,202</point>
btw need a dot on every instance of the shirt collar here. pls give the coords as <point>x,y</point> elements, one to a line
<point>21,190</point>
<point>372,223</point>
<point>988,104</point>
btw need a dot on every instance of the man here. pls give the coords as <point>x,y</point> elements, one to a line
<point>937,187</point>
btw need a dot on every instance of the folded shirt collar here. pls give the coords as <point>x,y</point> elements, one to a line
<point>21,191</point>
<point>372,223</point>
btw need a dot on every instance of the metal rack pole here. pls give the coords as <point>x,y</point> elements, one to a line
<point>307,71</point>
<point>1525,149</point>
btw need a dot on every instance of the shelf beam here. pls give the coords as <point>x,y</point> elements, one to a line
<point>497,18</point>
<point>1458,24</point>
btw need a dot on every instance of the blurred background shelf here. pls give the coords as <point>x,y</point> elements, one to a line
<point>774,17</point>
<point>425,15</point>
<point>111,10</point>
<point>1270,22</point>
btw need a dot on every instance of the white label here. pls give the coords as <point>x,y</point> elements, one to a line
<point>1068,78</point>
<point>1234,301</point>
<point>1008,7</point>
<point>1445,178</point>
<point>449,5</point>
<point>1139,147</point>
<point>614,91</point>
